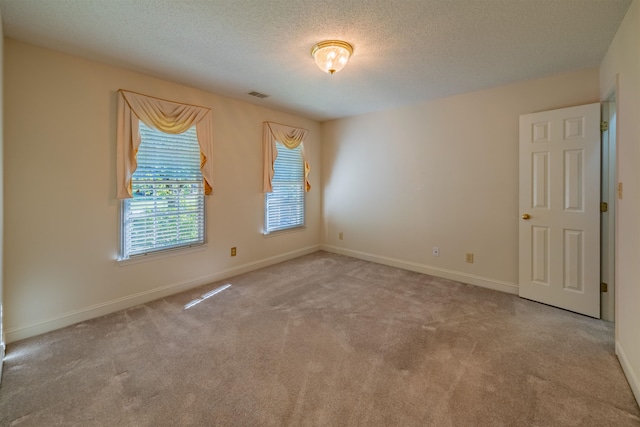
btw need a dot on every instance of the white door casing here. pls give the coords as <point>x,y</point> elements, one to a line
<point>607,219</point>
<point>559,245</point>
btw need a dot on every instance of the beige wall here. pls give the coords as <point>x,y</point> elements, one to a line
<point>441,173</point>
<point>61,213</point>
<point>622,64</point>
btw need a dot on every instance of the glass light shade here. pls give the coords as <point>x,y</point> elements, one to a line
<point>331,55</point>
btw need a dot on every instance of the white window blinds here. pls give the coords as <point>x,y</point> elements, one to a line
<point>167,208</point>
<point>284,206</point>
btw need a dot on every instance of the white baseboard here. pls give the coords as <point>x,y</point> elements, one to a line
<point>108,307</point>
<point>629,372</point>
<point>426,269</point>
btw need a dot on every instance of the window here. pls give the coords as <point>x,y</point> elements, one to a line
<point>284,206</point>
<point>167,208</point>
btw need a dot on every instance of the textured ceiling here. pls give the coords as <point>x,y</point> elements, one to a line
<point>405,51</point>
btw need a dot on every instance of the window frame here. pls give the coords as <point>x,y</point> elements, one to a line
<point>164,250</point>
<point>274,183</point>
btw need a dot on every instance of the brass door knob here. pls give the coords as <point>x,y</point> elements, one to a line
<point>526,216</point>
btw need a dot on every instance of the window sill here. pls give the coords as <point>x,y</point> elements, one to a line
<point>169,253</point>
<point>285,231</point>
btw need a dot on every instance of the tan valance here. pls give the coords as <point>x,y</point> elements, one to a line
<point>166,116</point>
<point>288,136</point>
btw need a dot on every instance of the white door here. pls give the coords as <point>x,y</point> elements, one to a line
<point>559,233</point>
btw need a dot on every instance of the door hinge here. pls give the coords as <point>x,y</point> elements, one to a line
<point>604,207</point>
<point>603,287</point>
<point>604,126</point>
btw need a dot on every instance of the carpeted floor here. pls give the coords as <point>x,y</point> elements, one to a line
<point>323,340</point>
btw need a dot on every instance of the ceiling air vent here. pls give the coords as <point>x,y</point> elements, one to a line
<point>258,94</point>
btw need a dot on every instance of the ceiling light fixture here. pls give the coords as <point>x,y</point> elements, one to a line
<point>332,55</point>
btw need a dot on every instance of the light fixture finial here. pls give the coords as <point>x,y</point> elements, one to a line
<point>331,55</point>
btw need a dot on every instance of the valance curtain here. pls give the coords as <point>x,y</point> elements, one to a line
<point>288,136</point>
<point>166,116</point>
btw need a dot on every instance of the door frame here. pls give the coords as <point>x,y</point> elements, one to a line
<point>609,179</point>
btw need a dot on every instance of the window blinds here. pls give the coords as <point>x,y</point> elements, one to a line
<point>284,206</point>
<point>167,208</point>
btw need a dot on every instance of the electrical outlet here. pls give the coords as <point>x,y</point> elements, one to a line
<point>233,251</point>
<point>469,257</point>
<point>340,235</point>
<point>436,251</point>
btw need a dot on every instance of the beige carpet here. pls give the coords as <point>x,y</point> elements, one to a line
<point>323,340</point>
